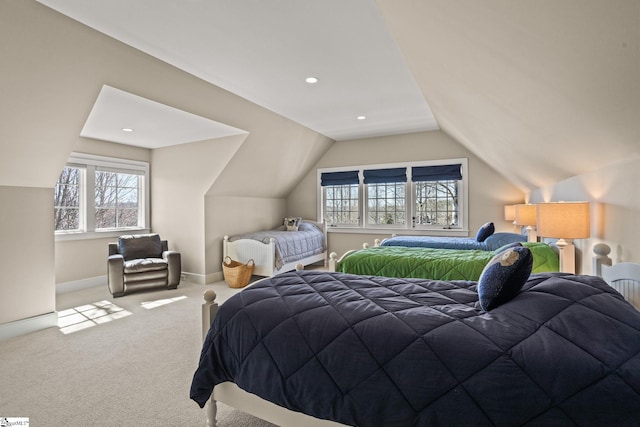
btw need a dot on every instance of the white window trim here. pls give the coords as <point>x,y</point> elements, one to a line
<point>362,228</point>
<point>365,207</point>
<point>89,162</point>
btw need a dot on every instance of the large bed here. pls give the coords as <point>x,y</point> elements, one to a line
<point>279,250</point>
<point>491,243</point>
<point>342,349</point>
<point>432,263</point>
<point>486,239</point>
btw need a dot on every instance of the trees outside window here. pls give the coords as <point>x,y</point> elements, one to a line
<point>96,193</point>
<point>116,201</point>
<point>421,195</point>
<point>67,200</point>
<point>436,203</point>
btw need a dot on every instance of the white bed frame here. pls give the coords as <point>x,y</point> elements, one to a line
<point>232,395</point>
<point>624,277</point>
<point>264,254</point>
<point>334,261</point>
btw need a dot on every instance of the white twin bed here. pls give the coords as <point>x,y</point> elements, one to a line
<point>277,251</point>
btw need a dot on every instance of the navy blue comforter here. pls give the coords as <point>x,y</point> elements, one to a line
<point>373,351</point>
<point>491,243</point>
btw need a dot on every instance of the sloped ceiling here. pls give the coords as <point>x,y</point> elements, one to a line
<point>264,50</point>
<point>542,90</point>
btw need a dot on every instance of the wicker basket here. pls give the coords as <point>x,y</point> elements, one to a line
<point>237,274</point>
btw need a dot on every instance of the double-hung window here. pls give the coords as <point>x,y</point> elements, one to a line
<point>341,196</point>
<point>437,195</point>
<point>385,191</point>
<point>96,194</point>
<point>430,195</point>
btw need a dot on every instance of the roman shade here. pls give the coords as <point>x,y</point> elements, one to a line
<point>436,173</point>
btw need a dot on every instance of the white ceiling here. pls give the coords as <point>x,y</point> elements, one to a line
<point>263,51</point>
<point>149,124</point>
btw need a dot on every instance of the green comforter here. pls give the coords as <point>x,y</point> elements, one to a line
<point>437,264</point>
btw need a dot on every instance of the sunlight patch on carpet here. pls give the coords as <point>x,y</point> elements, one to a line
<point>160,302</point>
<point>89,315</point>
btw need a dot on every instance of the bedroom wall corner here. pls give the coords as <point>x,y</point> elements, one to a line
<point>615,209</point>
<point>180,177</point>
<point>27,253</point>
<point>235,215</point>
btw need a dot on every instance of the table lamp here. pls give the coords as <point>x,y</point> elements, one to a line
<point>526,215</point>
<point>510,214</point>
<point>565,221</point>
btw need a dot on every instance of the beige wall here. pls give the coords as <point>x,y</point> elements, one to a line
<point>181,176</point>
<point>53,69</point>
<point>26,253</point>
<point>488,190</point>
<point>236,215</point>
<point>614,194</point>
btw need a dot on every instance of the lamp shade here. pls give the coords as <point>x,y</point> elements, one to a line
<point>564,220</point>
<point>509,212</point>
<point>525,214</point>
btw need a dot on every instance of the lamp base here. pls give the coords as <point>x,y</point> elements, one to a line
<point>532,235</point>
<point>567,256</point>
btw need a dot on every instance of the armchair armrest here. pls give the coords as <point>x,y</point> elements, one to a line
<point>115,274</point>
<point>113,249</point>
<point>174,262</point>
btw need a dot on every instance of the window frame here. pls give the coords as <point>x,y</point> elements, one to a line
<point>409,227</point>
<point>89,164</point>
<point>367,210</point>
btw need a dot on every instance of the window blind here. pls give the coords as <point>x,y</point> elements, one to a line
<point>339,178</point>
<point>436,173</point>
<point>382,176</point>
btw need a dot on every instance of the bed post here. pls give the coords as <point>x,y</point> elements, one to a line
<point>333,261</point>
<point>225,243</point>
<point>209,310</point>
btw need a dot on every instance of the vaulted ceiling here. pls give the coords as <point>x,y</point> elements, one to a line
<point>541,90</point>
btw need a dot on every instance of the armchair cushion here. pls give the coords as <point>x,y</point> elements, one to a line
<point>140,246</point>
<point>145,264</point>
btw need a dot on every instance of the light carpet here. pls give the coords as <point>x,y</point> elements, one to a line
<point>134,370</point>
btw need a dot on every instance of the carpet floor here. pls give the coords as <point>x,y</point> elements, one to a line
<point>113,362</point>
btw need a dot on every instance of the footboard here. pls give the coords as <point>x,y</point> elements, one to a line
<point>334,261</point>
<point>263,255</point>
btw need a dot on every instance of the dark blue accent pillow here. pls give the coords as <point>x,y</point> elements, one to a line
<point>503,277</point>
<point>485,231</point>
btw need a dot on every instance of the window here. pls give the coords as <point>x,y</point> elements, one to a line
<point>341,195</point>
<point>436,203</point>
<point>385,194</point>
<point>116,195</point>
<point>67,200</point>
<point>437,195</point>
<point>101,194</point>
<point>421,195</point>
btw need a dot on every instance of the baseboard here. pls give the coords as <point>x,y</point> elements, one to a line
<point>215,277</point>
<point>202,279</point>
<point>91,282</point>
<point>26,326</point>
<point>81,284</point>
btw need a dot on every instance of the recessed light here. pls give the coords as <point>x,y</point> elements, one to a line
<point>361,117</point>
<point>127,130</point>
<point>311,80</point>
